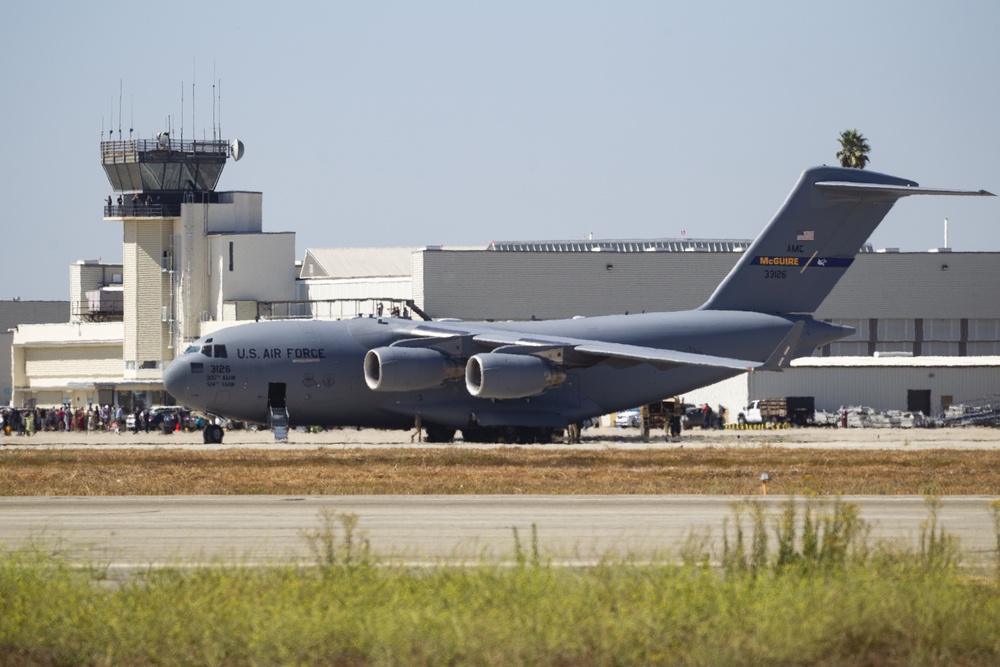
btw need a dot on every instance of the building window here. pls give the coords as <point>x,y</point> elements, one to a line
<point>896,330</point>
<point>937,348</point>
<point>944,330</point>
<point>984,329</point>
<point>849,349</point>
<point>984,349</point>
<point>230,255</point>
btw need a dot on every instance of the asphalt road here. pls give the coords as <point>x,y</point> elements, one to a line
<point>140,531</point>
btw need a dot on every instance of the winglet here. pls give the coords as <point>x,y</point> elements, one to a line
<point>784,353</point>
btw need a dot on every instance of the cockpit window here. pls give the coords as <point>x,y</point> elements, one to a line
<point>192,349</point>
<point>207,350</point>
<point>220,352</point>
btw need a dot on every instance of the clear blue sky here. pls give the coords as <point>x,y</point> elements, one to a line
<point>458,123</point>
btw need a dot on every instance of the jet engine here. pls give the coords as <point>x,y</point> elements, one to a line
<point>409,368</point>
<point>499,375</point>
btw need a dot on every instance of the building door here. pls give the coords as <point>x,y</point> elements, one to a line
<point>918,400</point>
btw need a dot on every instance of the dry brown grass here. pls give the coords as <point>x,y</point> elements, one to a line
<point>505,470</point>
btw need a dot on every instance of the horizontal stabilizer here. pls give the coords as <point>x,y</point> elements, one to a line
<point>894,191</point>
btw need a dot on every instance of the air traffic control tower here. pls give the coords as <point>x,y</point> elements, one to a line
<point>191,255</point>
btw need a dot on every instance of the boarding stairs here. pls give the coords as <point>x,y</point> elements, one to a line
<point>277,420</point>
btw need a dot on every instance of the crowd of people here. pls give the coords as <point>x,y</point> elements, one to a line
<point>94,418</point>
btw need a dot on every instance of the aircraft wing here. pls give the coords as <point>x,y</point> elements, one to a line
<point>516,343</point>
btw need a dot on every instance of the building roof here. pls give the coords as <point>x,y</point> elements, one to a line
<point>343,263</point>
<point>894,362</point>
<point>624,245</point>
<point>630,245</point>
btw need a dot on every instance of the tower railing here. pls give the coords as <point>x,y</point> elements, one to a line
<point>152,150</point>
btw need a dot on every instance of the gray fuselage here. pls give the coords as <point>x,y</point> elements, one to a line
<point>316,368</point>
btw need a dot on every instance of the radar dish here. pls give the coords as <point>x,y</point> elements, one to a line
<point>236,148</point>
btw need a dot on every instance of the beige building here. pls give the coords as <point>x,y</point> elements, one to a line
<point>16,313</point>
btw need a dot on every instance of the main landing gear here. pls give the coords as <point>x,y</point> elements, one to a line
<point>514,435</point>
<point>212,434</point>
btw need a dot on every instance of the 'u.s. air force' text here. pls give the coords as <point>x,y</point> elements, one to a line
<point>281,353</point>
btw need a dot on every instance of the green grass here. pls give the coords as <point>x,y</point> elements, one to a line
<point>821,595</point>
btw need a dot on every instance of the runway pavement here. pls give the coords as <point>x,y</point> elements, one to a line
<point>141,531</point>
<point>136,531</point>
<point>593,438</point>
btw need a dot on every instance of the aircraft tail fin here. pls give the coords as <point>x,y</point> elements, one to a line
<point>812,240</point>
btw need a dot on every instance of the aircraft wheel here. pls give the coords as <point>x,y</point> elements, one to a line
<point>440,434</point>
<point>212,434</point>
<point>473,434</point>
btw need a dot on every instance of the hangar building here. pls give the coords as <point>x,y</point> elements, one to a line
<point>927,324</point>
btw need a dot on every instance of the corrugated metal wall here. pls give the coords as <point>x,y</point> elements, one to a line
<point>516,285</point>
<point>881,388</point>
<point>497,285</point>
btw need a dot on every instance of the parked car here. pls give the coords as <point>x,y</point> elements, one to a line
<point>165,417</point>
<point>631,418</point>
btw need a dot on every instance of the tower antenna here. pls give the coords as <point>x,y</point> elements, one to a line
<point>119,109</point>
<point>214,137</point>
<point>194,80</point>
<point>220,108</point>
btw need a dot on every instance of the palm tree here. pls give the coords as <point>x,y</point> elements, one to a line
<point>854,149</point>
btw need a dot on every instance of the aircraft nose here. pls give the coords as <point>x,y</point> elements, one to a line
<point>175,378</point>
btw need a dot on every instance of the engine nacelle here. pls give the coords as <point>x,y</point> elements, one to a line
<point>499,375</point>
<point>409,368</point>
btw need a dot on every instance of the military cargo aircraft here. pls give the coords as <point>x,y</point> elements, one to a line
<point>524,381</point>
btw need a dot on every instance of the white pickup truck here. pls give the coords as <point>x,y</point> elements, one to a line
<point>798,410</point>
